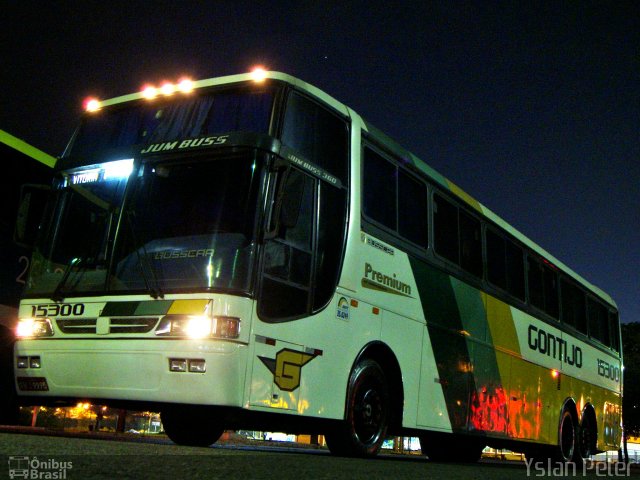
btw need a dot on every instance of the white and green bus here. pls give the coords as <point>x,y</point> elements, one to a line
<point>248,252</point>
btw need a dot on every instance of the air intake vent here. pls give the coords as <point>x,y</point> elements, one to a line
<point>132,325</point>
<point>77,325</point>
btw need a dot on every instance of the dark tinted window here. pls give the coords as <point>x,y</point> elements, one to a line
<point>574,310</point>
<point>143,123</point>
<point>412,209</point>
<point>505,264</point>
<point>598,321</point>
<point>331,232</point>
<point>515,270</point>
<point>543,287</point>
<point>551,303</point>
<point>614,328</point>
<point>496,260</point>
<point>318,134</point>
<point>445,226</point>
<point>470,244</point>
<point>379,189</point>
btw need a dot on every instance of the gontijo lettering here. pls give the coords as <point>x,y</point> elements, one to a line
<point>554,347</point>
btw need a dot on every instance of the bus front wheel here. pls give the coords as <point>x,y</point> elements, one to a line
<point>364,428</point>
<point>190,426</point>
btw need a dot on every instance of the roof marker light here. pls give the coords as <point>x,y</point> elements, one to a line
<point>167,89</point>
<point>185,85</point>
<point>258,74</point>
<point>92,105</point>
<point>150,92</point>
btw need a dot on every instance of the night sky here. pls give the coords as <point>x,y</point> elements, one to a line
<point>532,107</point>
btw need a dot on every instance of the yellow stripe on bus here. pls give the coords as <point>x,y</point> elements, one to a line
<point>188,307</point>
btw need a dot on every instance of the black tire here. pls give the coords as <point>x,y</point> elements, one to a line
<point>194,427</point>
<point>367,414</point>
<point>566,449</point>
<point>446,448</point>
<point>587,437</point>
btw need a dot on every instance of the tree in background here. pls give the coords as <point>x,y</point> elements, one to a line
<point>631,398</point>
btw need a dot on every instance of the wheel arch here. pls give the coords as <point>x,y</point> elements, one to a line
<point>382,354</point>
<point>569,404</point>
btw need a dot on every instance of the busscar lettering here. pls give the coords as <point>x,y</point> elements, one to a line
<point>554,347</point>
<point>186,143</point>
<point>175,254</point>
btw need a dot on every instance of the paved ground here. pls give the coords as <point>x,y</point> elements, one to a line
<point>109,456</point>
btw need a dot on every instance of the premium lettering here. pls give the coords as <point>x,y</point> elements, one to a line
<point>380,279</point>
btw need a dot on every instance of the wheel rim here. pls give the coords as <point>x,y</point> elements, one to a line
<point>567,437</point>
<point>368,415</point>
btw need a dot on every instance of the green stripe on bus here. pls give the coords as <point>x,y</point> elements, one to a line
<point>27,149</point>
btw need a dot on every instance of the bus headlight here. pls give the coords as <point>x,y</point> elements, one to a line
<point>34,327</point>
<point>196,326</point>
<point>192,326</point>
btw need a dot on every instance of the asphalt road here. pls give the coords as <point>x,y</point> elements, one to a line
<point>140,458</point>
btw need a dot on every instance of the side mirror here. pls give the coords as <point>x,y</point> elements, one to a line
<point>33,200</point>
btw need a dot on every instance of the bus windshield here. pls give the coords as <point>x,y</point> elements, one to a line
<point>73,246</point>
<point>187,224</point>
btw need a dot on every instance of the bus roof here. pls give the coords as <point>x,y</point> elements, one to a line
<point>408,157</point>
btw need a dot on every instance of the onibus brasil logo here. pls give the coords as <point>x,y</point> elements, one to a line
<point>35,468</point>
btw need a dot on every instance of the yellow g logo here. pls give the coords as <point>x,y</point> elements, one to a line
<point>287,367</point>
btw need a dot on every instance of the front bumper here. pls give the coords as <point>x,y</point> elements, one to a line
<point>131,370</point>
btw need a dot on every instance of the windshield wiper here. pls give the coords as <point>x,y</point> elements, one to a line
<point>156,292</point>
<point>57,296</point>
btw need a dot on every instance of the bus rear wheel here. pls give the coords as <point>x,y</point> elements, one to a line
<point>566,450</point>
<point>367,413</point>
<point>586,441</point>
<point>191,426</point>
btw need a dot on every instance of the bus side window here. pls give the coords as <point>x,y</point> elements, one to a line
<point>318,134</point>
<point>614,328</point>
<point>445,226</point>
<point>573,306</point>
<point>413,216</point>
<point>379,190</point>
<point>470,244</point>
<point>598,321</point>
<point>330,244</point>
<point>543,287</point>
